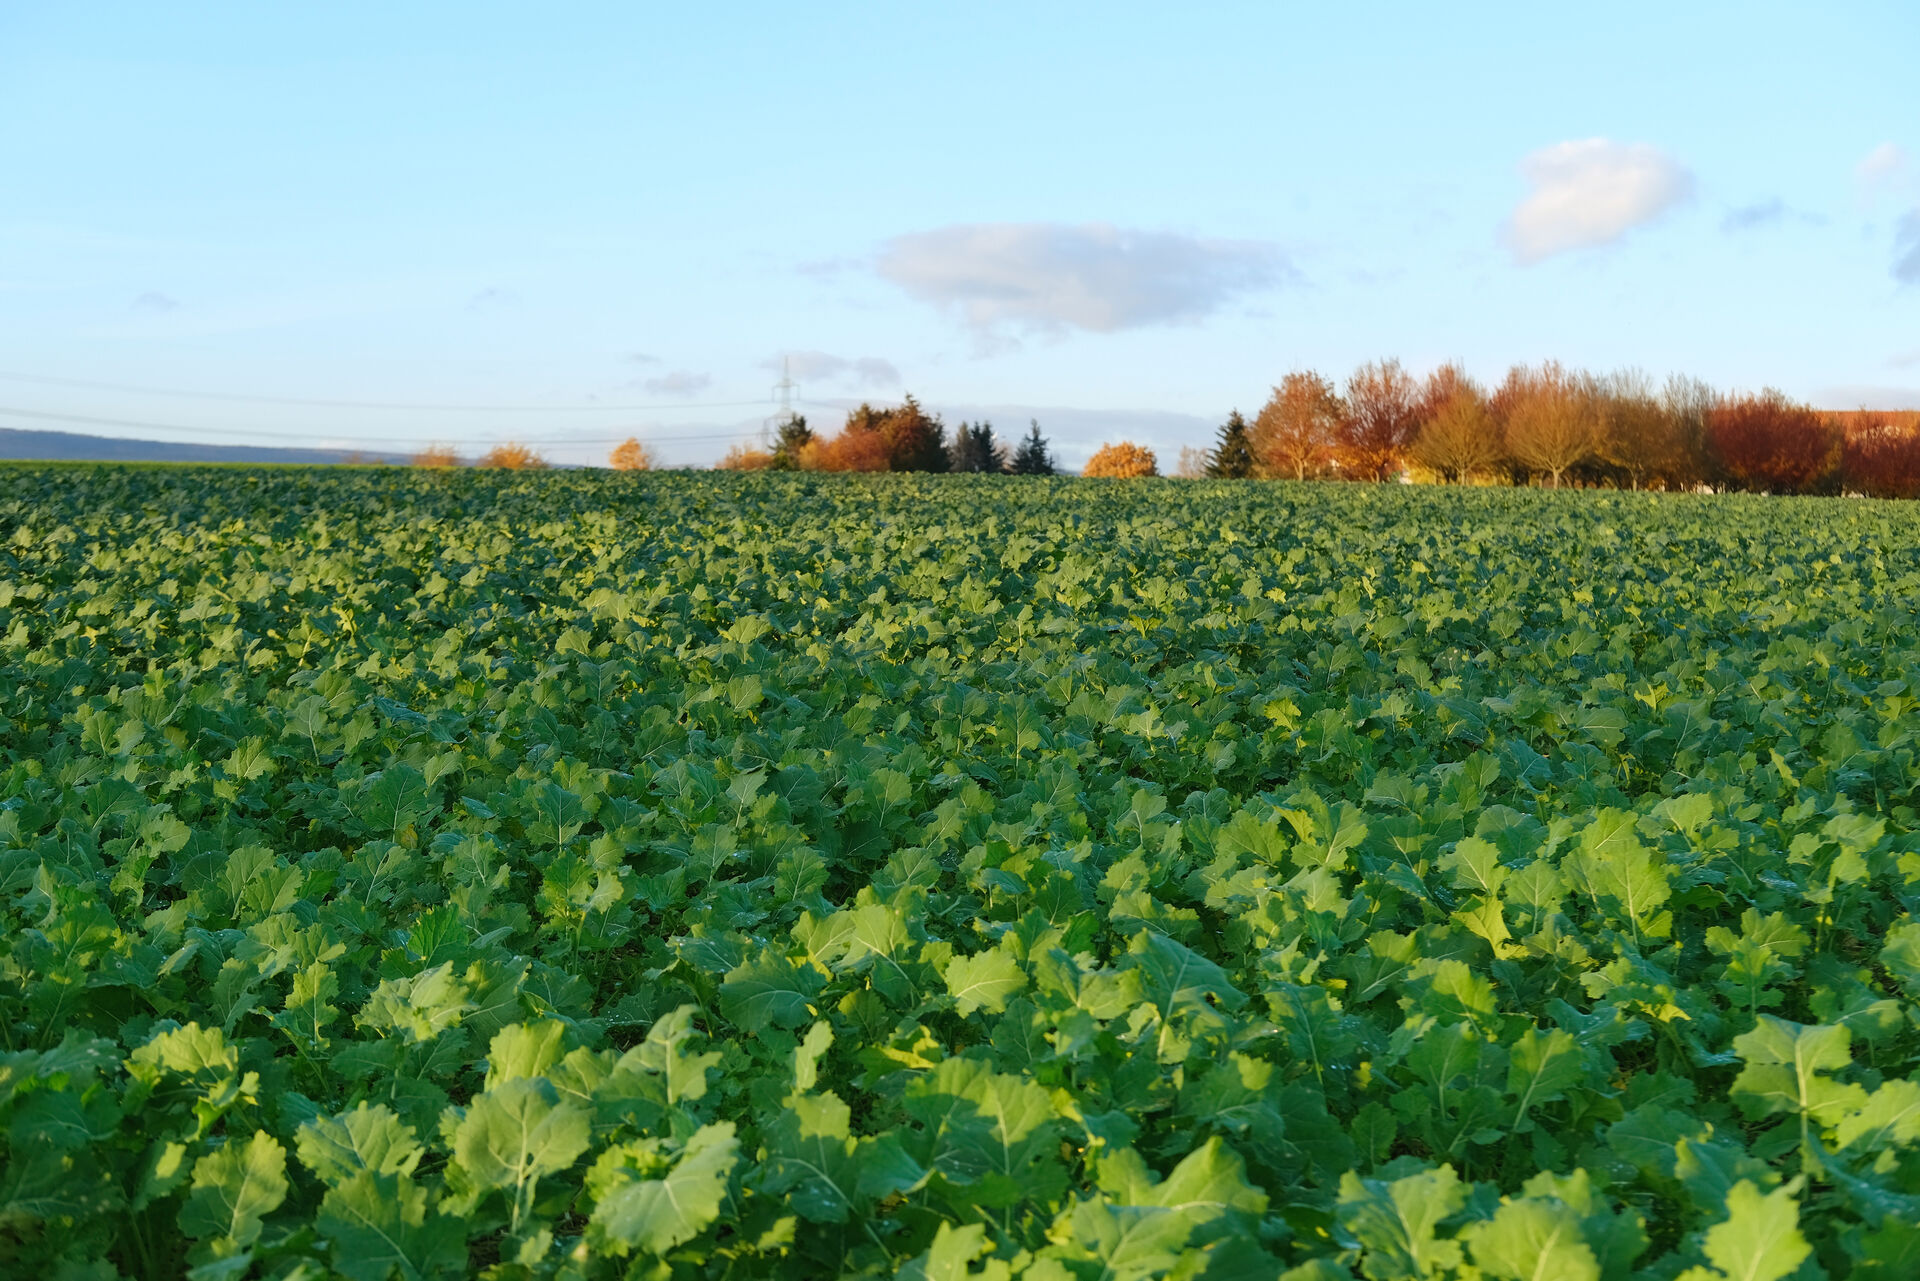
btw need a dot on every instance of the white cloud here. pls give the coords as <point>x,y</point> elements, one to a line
<point>1882,165</point>
<point>680,382</point>
<point>154,302</point>
<point>1905,359</point>
<point>820,366</point>
<point>1047,277</point>
<point>642,358</point>
<point>1591,192</point>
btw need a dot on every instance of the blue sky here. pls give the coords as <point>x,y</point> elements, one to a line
<point>1120,219</point>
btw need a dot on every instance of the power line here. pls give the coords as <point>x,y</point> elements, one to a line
<point>366,404</point>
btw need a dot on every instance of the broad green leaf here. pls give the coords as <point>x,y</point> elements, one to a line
<point>524,1050</point>
<point>418,1008</point>
<point>810,1158</point>
<point>1531,1239</point>
<point>951,1256</point>
<point>984,981</point>
<point>769,991</point>
<point>1543,1068</point>
<point>1760,1238</point>
<point>378,1226</point>
<point>1394,1222</point>
<point>366,1138</point>
<point>517,1133</point>
<point>667,1052</point>
<point>656,1214</point>
<point>1787,1067</point>
<point>1210,1181</point>
<point>234,1188</point>
<point>1889,1117</point>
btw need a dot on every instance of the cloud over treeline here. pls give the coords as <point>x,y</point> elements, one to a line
<point>1590,192</point>
<point>1046,277</point>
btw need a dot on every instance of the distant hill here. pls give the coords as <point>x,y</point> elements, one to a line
<point>63,446</point>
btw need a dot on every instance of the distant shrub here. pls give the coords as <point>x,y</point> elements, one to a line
<point>513,456</point>
<point>745,457</point>
<point>1122,460</point>
<point>631,455</point>
<point>436,456</point>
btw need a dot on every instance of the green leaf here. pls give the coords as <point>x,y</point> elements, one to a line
<point>393,800</point>
<point>951,1255</point>
<point>1394,1222</point>
<point>667,1053</point>
<point>1760,1239</point>
<point>1900,954</point>
<point>810,1158</point>
<point>1543,1068</point>
<point>1475,865</point>
<point>984,981</point>
<point>368,1138</point>
<point>1785,1070</point>
<point>524,1050</point>
<point>517,1133</point>
<point>419,1007</point>
<point>234,1188</point>
<point>1531,1239</point>
<point>806,1056</point>
<point>377,1225</point>
<point>1889,1118</point>
<point>1210,1181</point>
<point>769,991</point>
<point>994,1133</point>
<point>656,1214</point>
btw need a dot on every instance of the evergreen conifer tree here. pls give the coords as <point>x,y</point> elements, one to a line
<point>794,436</point>
<point>1032,458</point>
<point>975,449</point>
<point>1232,455</point>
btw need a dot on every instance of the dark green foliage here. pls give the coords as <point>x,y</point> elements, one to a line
<point>1231,457</point>
<point>794,436</point>
<point>434,874</point>
<point>1031,457</point>
<point>975,450</point>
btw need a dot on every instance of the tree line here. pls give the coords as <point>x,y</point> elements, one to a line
<point>1551,425</point>
<point>1542,424</point>
<point>902,437</point>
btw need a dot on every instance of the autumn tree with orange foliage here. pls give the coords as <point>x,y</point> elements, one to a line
<point>1773,445</point>
<point>1551,420</point>
<point>436,456</point>
<point>745,457</point>
<point>631,455</point>
<point>1297,432</point>
<point>1122,460</point>
<point>1458,435</point>
<point>1380,424</point>
<point>902,438</point>
<point>1881,457</point>
<point>513,456</point>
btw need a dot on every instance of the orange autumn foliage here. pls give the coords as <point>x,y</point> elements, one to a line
<point>1122,460</point>
<point>513,456</point>
<point>1773,445</point>
<point>631,455</point>
<point>436,456</point>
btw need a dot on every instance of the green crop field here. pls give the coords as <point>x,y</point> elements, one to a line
<point>604,875</point>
